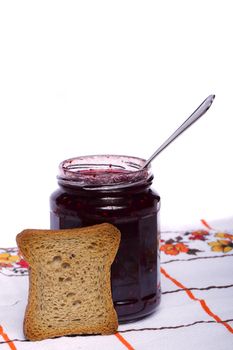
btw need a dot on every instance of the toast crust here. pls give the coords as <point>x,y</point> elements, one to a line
<point>69,281</point>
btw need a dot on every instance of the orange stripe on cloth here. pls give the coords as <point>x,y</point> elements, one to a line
<point>206,224</point>
<point>201,301</point>
<point>122,339</point>
<point>7,340</point>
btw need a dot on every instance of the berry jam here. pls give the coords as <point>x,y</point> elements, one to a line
<point>113,189</point>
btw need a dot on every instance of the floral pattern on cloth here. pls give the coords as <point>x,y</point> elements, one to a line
<point>223,245</point>
<point>11,263</point>
<point>196,242</point>
<point>186,243</point>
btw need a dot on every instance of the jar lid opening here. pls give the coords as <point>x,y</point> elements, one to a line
<point>103,171</point>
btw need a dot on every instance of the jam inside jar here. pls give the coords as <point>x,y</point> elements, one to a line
<point>108,188</point>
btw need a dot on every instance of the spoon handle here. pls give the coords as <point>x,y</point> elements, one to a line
<point>199,112</point>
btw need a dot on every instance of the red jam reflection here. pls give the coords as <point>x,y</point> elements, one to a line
<point>97,189</point>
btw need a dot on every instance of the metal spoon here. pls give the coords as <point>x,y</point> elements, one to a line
<point>199,112</point>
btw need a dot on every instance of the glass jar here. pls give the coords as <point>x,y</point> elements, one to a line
<point>113,189</point>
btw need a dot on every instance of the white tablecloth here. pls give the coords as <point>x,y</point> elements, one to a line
<point>196,310</point>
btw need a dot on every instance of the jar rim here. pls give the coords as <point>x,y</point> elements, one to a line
<point>103,171</point>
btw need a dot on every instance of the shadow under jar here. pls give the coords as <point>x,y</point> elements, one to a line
<point>111,188</point>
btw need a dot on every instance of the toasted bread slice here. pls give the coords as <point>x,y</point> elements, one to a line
<point>69,281</point>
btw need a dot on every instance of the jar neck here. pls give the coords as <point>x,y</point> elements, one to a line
<point>94,190</point>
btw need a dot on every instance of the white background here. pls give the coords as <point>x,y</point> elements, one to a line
<point>89,77</point>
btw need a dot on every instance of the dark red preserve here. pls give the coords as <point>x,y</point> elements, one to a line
<point>97,189</point>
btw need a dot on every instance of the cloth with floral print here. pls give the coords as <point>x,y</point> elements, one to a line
<point>183,244</point>
<point>11,263</point>
<point>195,242</point>
<point>196,304</point>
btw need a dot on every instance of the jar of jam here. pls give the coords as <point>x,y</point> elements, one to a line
<point>113,189</point>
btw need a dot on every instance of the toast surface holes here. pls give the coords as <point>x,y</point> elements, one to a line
<point>76,302</point>
<point>70,295</point>
<point>57,258</point>
<point>63,279</point>
<point>56,261</point>
<point>92,245</point>
<point>65,265</point>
